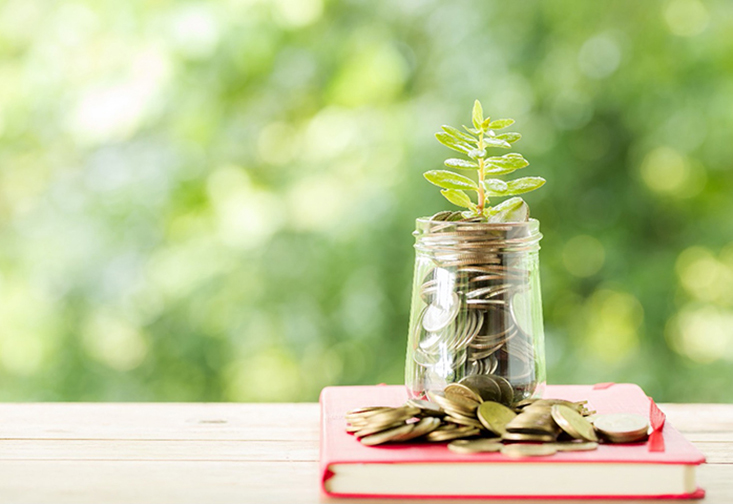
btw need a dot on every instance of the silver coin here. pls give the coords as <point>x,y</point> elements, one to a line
<point>438,317</point>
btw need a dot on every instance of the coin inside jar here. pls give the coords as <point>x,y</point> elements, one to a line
<point>438,317</point>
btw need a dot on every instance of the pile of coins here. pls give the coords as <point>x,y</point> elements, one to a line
<point>471,319</point>
<point>475,420</point>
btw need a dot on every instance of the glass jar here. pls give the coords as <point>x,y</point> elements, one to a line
<point>476,307</point>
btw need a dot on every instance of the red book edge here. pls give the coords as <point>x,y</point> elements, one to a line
<point>657,425</point>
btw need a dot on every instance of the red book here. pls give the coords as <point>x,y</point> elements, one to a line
<point>663,467</point>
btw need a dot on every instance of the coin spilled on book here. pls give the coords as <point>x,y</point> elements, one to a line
<point>474,418</point>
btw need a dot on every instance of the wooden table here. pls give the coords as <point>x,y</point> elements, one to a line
<point>215,453</point>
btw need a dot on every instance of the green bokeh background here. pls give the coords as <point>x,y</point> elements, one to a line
<point>214,200</point>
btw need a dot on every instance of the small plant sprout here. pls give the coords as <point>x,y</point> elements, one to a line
<point>474,143</point>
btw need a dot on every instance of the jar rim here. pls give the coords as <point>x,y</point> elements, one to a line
<point>505,236</point>
<point>490,225</point>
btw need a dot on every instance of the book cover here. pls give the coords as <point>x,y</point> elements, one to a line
<point>338,448</point>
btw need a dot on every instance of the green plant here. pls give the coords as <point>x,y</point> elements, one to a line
<point>473,143</point>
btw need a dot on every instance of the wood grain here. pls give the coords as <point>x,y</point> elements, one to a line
<point>216,453</point>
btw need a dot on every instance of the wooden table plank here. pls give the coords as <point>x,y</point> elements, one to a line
<point>203,421</point>
<point>158,449</point>
<point>161,453</point>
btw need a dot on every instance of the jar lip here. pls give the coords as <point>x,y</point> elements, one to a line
<point>532,223</point>
<point>427,220</point>
<point>459,235</point>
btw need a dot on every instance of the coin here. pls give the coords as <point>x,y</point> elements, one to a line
<point>387,436</point>
<point>495,416</point>
<point>451,434</point>
<point>622,427</point>
<point>475,445</point>
<point>525,402</point>
<point>370,429</point>
<point>533,423</point>
<point>528,438</point>
<point>421,428</point>
<point>575,446</point>
<point>462,420</point>
<point>393,415</point>
<point>528,450</point>
<point>507,391</point>
<point>464,390</point>
<point>438,317</point>
<point>455,403</point>
<point>484,386</point>
<point>573,423</point>
<point>426,407</point>
<point>366,409</point>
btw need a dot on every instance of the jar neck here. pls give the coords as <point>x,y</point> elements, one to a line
<point>511,237</point>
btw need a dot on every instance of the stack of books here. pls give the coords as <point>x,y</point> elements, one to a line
<point>663,467</point>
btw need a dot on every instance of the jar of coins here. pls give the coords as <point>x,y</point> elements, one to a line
<point>476,307</point>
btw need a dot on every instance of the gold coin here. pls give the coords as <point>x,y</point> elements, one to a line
<point>552,402</point>
<point>528,450</point>
<point>451,434</point>
<point>484,385</point>
<point>428,408</point>
<point>367,409</point>
<point>539,409</point>
<point>421,428</point>
<point>573,423</point>
<point>525,402</point>
<point>495,416</point>
<point>533,423</point>
<point>461,420</point>
<point>575,446</point>
<point>373,429</point>
<point>528,438</point>
<point>475,445</point>
<point>456,403</point>
<point>464,390</point>
<point>394,415</point>
<point>386,436</point>
<point>507,391</point>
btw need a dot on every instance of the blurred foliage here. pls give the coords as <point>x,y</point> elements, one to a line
<point>214,200</point>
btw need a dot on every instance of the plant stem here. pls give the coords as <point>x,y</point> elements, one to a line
<point>481,168</point>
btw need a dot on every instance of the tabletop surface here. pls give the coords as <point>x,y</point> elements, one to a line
<point>224,453</point>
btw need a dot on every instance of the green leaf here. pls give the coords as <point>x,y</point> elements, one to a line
<point>485,124</point>
<point>496,142</point>
<point>453,143</point>
<point>477,153</point>
<point>511,210</point>
<point>477,115</point>
<point>495,187</point>
<point>524,185</point>
<point>473,131</point>
<point>450,180</point>
<point>461,164</point>
<point>501,165</point>
<point>509,137</point>
<point>458,197</point>
<point>501,123</point>
<point>459,135</point>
